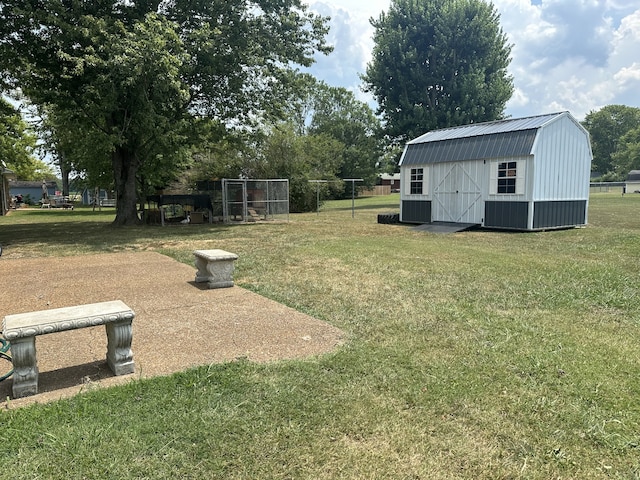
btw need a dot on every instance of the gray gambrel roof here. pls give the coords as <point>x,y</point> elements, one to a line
<point>499,139</point>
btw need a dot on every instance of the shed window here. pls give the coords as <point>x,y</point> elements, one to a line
<point>417,177</point>
<point>507,174</point>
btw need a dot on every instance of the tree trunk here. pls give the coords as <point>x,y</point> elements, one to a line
<point>125,168</point>
<point>64,170</point>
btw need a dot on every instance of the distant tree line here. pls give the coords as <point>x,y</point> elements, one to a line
<point>615,141</point>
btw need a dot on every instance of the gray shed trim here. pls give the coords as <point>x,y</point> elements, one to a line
<point>499,139</point>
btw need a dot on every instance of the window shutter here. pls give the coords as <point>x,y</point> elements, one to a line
<point>425,180</point>
<point>520,178</point>
<point>493,178</point>
<point>406,179</point>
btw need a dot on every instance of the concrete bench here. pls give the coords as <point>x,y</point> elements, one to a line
<point>21,331</point>
<point>215,267</point>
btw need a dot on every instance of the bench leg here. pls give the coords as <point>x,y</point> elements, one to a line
<point>25,367</point>
<point>119,354</point>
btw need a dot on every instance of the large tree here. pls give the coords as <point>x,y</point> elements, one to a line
<point>606,128</point>
<point>131,77</point>
<point>438,63</point>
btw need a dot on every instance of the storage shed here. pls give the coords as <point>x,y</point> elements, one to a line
<point>522,174</point>
<point>632,185</point>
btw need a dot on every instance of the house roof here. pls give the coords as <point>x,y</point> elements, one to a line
<point>32,184</point>
<point>634,176</point>
<point>498,139</point>
<point>387,176</point>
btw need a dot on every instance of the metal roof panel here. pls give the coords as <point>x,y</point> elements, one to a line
<point>496,145</point>
<point>487,128</point>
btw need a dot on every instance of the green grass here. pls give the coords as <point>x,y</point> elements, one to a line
<point>475,355</point>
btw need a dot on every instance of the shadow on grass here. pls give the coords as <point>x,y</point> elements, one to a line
<point>97,235</point>
<point>76,212</point>
<point>393,206</point>
<point>65,377</point>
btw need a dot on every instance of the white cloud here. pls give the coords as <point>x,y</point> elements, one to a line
<point>627,37</point>
<point>360,8</point>
<point>351,35</point>
<point>576,55</point>
<point>627,75</point>
<point>571,54</point>
<point>519,99</point>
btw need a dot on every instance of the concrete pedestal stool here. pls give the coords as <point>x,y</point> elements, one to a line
<point>215,267</point>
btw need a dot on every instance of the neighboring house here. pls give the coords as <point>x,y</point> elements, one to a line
<point>33,190</point>
<point>522,174</point>
<point>632,185</point>
<point>393,181</point>
<point>89,196</point>
<point>385,185</point>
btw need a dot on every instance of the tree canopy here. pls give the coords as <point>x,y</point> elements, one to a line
<point>627,155</point>
<point>436,64</point>
<point>339,115</point>
<point>612,139</point>
<point>17,144</point>
<point>127,80</point>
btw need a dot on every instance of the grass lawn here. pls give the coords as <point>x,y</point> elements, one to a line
<point>474,355</point>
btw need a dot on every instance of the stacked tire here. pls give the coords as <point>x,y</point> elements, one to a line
<point>389,218</point>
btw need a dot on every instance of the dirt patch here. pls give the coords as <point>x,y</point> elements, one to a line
<point>179,324</point>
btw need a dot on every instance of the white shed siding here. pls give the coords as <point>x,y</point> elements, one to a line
<point>562,162</point>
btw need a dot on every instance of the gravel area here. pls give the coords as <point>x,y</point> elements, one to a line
<point>179,324</point>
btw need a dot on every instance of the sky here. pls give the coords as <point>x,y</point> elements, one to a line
<point>575,55</point>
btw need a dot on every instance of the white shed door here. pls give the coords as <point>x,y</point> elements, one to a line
<point>457,196</point>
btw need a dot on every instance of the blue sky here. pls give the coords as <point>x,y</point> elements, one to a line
<point>576,55</point>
